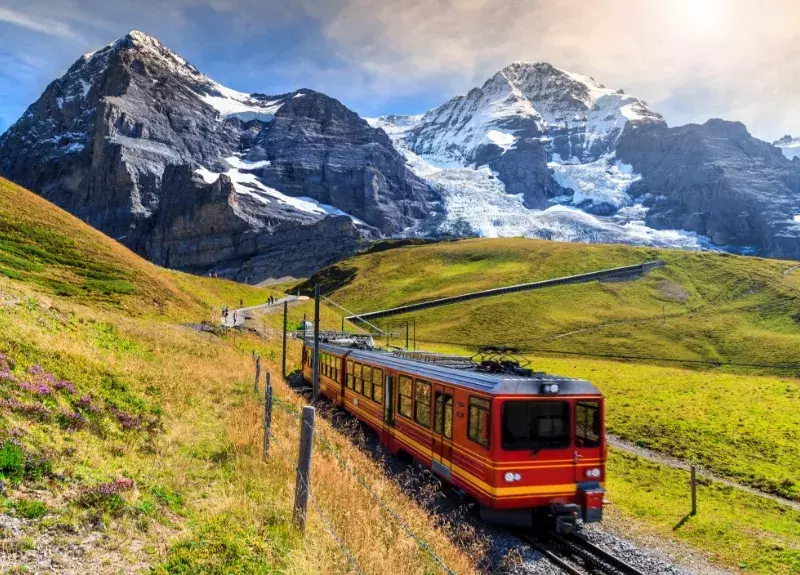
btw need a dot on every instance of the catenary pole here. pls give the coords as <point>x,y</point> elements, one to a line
<point>316,342</point>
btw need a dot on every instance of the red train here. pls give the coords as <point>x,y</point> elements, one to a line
<point>529,447</point>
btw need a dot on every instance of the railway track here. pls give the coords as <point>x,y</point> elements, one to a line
<point>577,556</point>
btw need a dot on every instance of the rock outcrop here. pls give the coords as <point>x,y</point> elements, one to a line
<point>719,181</point>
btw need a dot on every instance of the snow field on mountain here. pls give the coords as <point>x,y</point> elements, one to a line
<point>233,104</point>
<point>604,181</point>
<point>477,199</point>
<point>249,185</point>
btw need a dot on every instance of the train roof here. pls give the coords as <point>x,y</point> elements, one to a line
<point>495,383</point>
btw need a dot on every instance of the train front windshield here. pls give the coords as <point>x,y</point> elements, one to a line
<point>535,425</point>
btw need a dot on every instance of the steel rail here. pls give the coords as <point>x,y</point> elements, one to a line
<point>552,557</point>
<point>592,558</point>
<point>567,280</point>
<point>605,556</point>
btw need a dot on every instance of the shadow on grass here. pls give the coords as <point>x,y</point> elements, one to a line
<point>683,521</point>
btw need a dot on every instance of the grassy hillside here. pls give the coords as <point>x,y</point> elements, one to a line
<point>701,306</point>
<point>131,443</point>
<point>58,255</point>
<point>739,422</point>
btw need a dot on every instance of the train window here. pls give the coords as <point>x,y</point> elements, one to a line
<point>587,423</point>
<point>377,384</point>
<point>359,383</point>
<point>443,415</point>
<point>406,399</point>
<point>478,421</point>
<point>535,425</point>
<point>422,403</point>
<point>349,382</point>
<point>367,381</point>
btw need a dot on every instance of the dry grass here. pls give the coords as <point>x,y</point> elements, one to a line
<point>208,456</point>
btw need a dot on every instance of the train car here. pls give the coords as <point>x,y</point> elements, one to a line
<point>529,447</point>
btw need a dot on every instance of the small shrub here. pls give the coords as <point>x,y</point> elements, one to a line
<point>12,461</point>
<point>106,496</point>
<point>30,508</point>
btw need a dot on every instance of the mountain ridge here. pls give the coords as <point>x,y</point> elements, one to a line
<point>193,175</point>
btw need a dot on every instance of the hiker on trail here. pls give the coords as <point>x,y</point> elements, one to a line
<point>215,275</point>
<point>234,318</point>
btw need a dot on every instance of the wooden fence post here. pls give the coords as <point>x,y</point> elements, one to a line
<point>303,485</point>
<point>694,490</point>
<point>258,374</point>
<point>267,417</point>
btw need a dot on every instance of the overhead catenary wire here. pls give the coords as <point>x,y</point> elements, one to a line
<point>529,350</point>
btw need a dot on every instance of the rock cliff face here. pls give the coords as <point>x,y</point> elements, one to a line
<point>195,176</point>
<point>719,181</point>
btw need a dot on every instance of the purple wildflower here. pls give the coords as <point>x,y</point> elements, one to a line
<point>7,375</point>
<point>63,384</point>
<point>72,419</point>
<point>112,487</point>
<point>34,409</point>
<point>86,403</point>
<point>35,388</point>
<point>126,420</point>
<point>35,369</point>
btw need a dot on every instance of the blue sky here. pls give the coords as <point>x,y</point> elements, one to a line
<point>690,59</point>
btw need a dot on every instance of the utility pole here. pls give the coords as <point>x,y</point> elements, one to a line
<point>316,342</point>
<point>285,316</point>
<point>415,334</point>
<point>406,335</point>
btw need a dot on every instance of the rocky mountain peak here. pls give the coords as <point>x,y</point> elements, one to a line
<point>194,175</point>
<point>789,146</point>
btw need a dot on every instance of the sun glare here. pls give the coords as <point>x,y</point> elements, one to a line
<point>699,17</point>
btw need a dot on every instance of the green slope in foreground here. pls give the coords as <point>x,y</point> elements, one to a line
<point>131,443</point>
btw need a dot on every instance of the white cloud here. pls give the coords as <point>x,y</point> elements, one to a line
<point>37,24</point>
<point>691,59</point>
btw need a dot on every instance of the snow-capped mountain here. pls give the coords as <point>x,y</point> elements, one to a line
<point>536,151</point>
<point>196,176</point>
<point>193,175</point>
<point>789,146</point>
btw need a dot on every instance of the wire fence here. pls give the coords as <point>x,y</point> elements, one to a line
<point>328,525</point>
<point>420,542</point>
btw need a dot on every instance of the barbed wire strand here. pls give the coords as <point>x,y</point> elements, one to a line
<point>328,525</point>
<point>421,543</point>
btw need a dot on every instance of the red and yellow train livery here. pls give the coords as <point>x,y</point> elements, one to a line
<point>525,445</point>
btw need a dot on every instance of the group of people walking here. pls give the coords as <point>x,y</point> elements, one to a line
<point>226,312</point>
<point>272,300</point>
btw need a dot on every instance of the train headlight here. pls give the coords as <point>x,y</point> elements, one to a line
<point>509,477</point>
<point>517,477</point>
<point>594,472</point>
<point>550,388</point>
